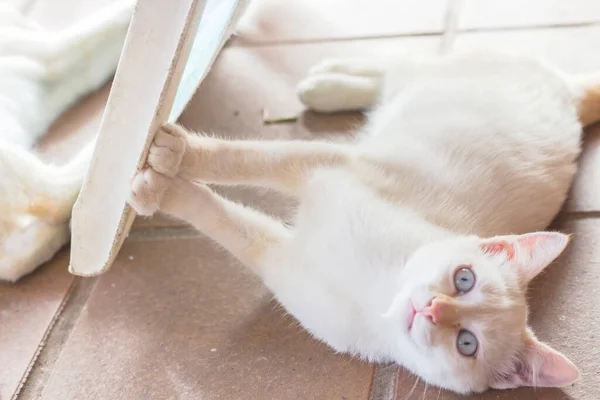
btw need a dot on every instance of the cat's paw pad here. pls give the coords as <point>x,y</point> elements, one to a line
<point>167,150</point>
<point>148,188</point>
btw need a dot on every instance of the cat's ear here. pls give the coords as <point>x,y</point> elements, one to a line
<point>529,253</point>
<point>537,365</point>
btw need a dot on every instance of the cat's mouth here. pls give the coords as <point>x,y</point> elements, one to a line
<point>412,312</point>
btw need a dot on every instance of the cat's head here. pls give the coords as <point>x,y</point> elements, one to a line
<point>462,314</point>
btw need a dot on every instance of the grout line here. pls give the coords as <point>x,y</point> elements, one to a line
<point>558,25</point>
<point>384,382</point>
<point>153,233</point>
<point>38,373</point>
<point>453,9</point>
<point>239,42</point>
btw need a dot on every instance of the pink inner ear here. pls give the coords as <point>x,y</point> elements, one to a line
<point>538,365</point>
<point>542,239</point>
<point>529,253</point>
<point>498,247</point>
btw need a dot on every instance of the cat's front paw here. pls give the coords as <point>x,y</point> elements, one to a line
<point>167,150</point>
<point>149,185</point>
<point>148,188</point>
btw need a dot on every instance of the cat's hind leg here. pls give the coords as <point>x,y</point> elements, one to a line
<point>342,85</point>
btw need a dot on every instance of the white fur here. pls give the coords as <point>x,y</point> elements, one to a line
<point>482,145</point>
<point>457,150</point>
<point>41,74</point>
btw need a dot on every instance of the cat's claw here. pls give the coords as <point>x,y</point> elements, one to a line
<point>148,187</point>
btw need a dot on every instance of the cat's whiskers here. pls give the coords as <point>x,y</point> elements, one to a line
<point>417,379</point>
<point>424,391</point>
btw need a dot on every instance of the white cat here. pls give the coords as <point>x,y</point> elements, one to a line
<point>411,244</point>
<point>41,74</point>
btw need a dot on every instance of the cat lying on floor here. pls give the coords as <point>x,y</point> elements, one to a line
<point>415,244</point>
<point>42,74</point>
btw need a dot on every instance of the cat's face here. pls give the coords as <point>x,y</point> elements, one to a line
<point>461,314</point>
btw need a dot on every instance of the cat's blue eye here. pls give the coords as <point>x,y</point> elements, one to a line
<point>464,280</point>
<point>466,343</point>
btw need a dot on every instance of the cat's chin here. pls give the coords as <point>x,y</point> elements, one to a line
<point>419,333</point>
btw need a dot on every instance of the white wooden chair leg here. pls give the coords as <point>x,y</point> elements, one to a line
<point>152,85</point>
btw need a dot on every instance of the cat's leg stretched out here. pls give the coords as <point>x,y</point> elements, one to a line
<point>244,232</point>
<point>176,159</point>
<point>279,165</point>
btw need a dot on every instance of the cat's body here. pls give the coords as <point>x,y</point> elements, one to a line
<point>41,74</point>
<point>444,154</point>
<point>395,251</point>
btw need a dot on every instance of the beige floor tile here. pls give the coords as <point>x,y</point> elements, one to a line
<point>574,51</point>
<point>180,319</point>
<point>477,14</point>
<point>272,21</point>
<point>27,309</point>
<point>563,314</point>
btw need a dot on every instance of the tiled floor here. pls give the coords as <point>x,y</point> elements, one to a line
<point>177,318</point>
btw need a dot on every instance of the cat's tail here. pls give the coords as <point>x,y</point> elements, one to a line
<point>55,202</point>
<point>83,57</point>
<point>587,96</point>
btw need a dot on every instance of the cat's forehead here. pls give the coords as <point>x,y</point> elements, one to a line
<point>454,249</point>
<point>443,257</point>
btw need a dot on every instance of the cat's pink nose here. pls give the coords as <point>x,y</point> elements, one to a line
<point>442,310</point>
<point>432,311</point>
